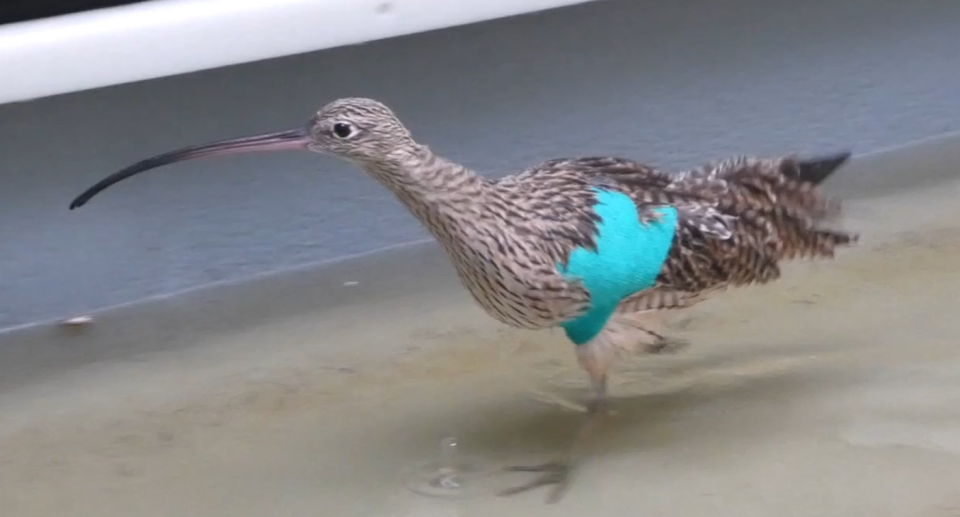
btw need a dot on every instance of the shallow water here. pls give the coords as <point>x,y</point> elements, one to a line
<point>834,392</point>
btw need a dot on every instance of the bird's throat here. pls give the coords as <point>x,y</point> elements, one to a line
<point>433,188</point>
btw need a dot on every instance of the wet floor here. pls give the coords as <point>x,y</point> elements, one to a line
<point>835,392</point>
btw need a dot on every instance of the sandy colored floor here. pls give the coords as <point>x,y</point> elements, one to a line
<point>833,393</point>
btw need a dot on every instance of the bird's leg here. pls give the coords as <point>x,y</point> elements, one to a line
<point>558,472</point>
<point>596,357</point>
<point>649,327</point>
<point>663,344</point>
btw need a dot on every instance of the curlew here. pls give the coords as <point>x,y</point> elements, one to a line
<point>585,244</point>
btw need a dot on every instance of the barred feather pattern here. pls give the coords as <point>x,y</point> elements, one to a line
<point>738,219</point>
<point>750,215</point>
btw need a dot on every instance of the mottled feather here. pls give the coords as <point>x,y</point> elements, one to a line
<point>737,221</point>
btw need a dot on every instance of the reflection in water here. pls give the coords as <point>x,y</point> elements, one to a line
<point>451,476</point>
<point>833,393</point>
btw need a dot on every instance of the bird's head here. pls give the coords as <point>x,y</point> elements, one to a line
<point>357,129</point>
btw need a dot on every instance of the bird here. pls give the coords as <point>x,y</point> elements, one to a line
<point>586,244</point>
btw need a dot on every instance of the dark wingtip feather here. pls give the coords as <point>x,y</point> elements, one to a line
<point>816,170</point>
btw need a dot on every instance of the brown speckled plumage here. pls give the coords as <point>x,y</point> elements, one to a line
<point>738,220</point>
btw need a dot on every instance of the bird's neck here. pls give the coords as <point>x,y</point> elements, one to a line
<point>432,187</point>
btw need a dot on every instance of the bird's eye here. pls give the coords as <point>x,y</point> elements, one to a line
<point>342,130</point>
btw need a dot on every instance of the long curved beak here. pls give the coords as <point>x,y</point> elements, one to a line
<point>292,139</point>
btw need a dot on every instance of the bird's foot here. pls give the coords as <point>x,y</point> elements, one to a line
<point>666,346</point>
<point>552,473</point>
<point>558,473</point>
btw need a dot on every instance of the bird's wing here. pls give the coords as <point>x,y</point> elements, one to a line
<point>737,218</point>
<point>550,205</point>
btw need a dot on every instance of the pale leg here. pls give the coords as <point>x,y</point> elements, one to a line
<point>596,358</point>
<point>558,472</point>
<point>618,336</point>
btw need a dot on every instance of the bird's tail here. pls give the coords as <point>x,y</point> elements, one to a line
<point>779,202</point>
<point>813,171</point>
<point>808,236</point>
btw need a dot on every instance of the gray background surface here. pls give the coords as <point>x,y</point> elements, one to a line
<point>671,83</point>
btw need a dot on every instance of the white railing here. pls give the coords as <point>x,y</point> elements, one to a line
<point>166,37</point>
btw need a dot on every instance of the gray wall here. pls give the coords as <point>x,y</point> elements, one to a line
<point>673,83</point>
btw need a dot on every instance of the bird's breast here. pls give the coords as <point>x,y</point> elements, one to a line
<point>515,286</point>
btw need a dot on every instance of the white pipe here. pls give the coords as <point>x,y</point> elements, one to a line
<point>166,37</point>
